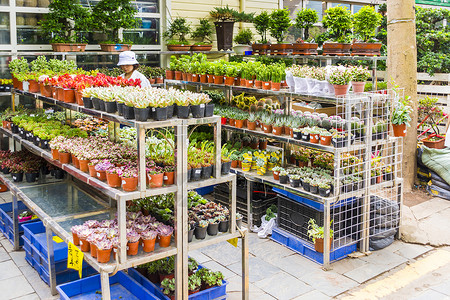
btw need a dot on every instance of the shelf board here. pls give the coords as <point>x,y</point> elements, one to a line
<point>324,57</point>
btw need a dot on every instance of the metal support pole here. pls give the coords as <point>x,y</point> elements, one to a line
<point>122,223</point>
<point>15,217</point>
<point>245,268</point>
<point>141,158</point>
<point>51,260</point>
<point>106,293</point>
<point>233,204</point>
<point>249,203</point>
<point>326,236</point>
<point>217,140</point>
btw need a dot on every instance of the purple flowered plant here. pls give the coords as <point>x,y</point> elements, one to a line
<point>77,228</point>
<point>165,230</point>
<point>133,236</point>
<point>92,223</point>
<point>140,227</point>
<point>104,244</point>
<point>130,223</point>
<point>84,233</point>
<point>107,223</point>
<point>133,215</point>
<point>112,232</point>
<point>149,235</point>
<point>104,165</point>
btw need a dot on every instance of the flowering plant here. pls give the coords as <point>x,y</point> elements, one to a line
<point>104,165</point>
<point>339,76</point>
<point>359,73</point>
<point>129,172</point>
<point>133,236</point>
<point>149,234</point>
<point>104,244</point>
<point>165,230</point>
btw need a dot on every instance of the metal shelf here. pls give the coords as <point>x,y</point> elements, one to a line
<point>324,57</point>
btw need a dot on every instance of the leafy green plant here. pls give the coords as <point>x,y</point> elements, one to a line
<point>226,13</point>
<point>203,32</point>
<point>317,232</point>
<point>338,21</point>
<point>305,19</point>
<point>178,29</point>
<point>365,23</point>
<point>168,286</point>
<point>261,23</point>
<point>244,37</point>
<point>402,111</point>
<point>279,24</point>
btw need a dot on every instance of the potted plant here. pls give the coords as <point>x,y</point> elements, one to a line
<point>379,130</point>
<point>324,189</point>
<point>133,242</point>
<point>251,121</point>
<point>325,138</point>
<point>283,176</point>
<point>339,78</point>
<point>64,23</point>
<point>316,233</point>
<point>261,23</point>
<point>314,186</point>
<point>365,23</point>
<point>276,172</point>
<point>243,40</point>
<point>200,230</point>
<point>314,134</point>
<point>19,68</point>
<point>164,234</point>
<point>110,16</point>
<point>129,178</point>
<point>168,287</point>
<point>210,278</point>
<point>82,235</point>
<point>203,33</point>
<point>112,176</point>
<point>155,177</point>
<point>104,247</point>
<point>194,283</point>
<point>101,168</point>
<point>401,116</point>
<point>359,75</point>
<point>25,216</point>
<point>176,35</point>
<point>223,223</point>
<point>169,172</point>
<point>305,19</point>
<point>213,227</point>
<point>338,22</point>
<point>387,173</point>
<point>279,24</point>
<point>294,180</point>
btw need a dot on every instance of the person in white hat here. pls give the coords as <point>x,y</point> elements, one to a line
<point>129,64</point>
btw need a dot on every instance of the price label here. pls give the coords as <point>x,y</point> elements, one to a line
<point>153,109</point>
<point>57,239</point>
<point>14,178</point>
<point>233,242</point>
<point>198,171</point>
<point>202,105</point>
<point>34,217</point>
<point>166,178</point>
<point>38,139</point>
<point>123,181</point>
<point>75,258</point>
<point>266,83</point>
<point>98,174</point>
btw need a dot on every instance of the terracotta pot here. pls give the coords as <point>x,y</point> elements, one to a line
<point>203,78</point>
<point>249,83</point>
<point>318,245</point>
<point>78,98</point>
<point>314,138</point>
<point>379,179</point>
<point>210,78</point>
<point>229,80</point>
<point>156,180</point>
<point>76,240</point>
<point>440,144</point>
<point>101,175</point>
<point>115,47</point>
<point>60,94</point>
<point>263,145</point>
<point>367,49</point>
<point>33,86</point>
<point>84,245</point>
<point>218,79</point>
<point>201,47</point>
<point>239,123</point>
<point>55,154</point>
<point>232,122</point>
<point>399,130</point>
<point>178,75</point>
<point>75,161</point>
<point>189,76</point>
<point>276,130</point>
<point>195,77</point>
<point>276,175</point>
<point>46,90</point>
<point>17,84</point>
<point>260,49</point>
<point>258,84</point>
<point>93,250</point>
<point>184,76</point>
<point>164,241</point>
<point>169,178</point>
<point>69,95</point>
<point>170,74</point>
<point>132,248</point>
<point>68,47</point>
<point>152,80</point>
<point>340,90</point>
<point>84,165</point>
<point>179,47</point>
<point>54,92</point>
<point>302,163</point>
<point>267,128</point>
<point>251,125</point>
<point>336,49</point>
<point>243,82</point>
<point>325,140</point>
<point>159,80</point>
<point>280,49</point>
<point>64,158</point>
<point>234,163</point>
<point>92,171</point>
<point>240,164</point>
<point>266,85</point>
<point>275,86</point>
<point>148,245</point>
<point>129,184</point>
<point>237,81</point>
<point>358,87</point>
<point>304,48</point>
<point>103,256</point>
<point>113,180</point>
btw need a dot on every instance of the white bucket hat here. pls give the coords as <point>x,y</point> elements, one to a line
<point>127,58</point>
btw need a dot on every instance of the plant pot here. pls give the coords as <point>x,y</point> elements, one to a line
<point>92,171</point>
<point>387,176</point>
<point>262,145</point>
<point>225,169</point>
<point>243,82</point>
<point>93,250</point>
<point>85,246</point>
<point>325,140</point>
<point>260,49</point>
<point>275,86</point>
<point>276,175</point>
<point>196,174</point>
<point>258,84</point>
<point>297,135</point>
<point>30,177</point>
<point>178,75</point>
<point>103,256</point>
<point>170,74</point>
<point>203,78</point>
<point>223,226</point>
<point>304,48</point>
<point>75,161</point>
<point>249,83</point>
<point>324,192</point>
<point>164,241</point>
<point>240,49</point>
<point>339,49</point>
<point>148,245</point>
<point>314,189</point>
<point>64,158</point>
<point>83,165</point>
<point>190,235</point>
<point>120,108</point>
<point>224,33</point>
<point>245,166</point>
<point>366,49</point>
<point>209,110</point>
<point>239,223</point>
<point>234,163</point>
<point>101,175</point>
<point>75,239</point>
<point>213,229</point>
<point>294,182</point>
<point>198,111</point>
<point>200,232</point>
<point>251,125</point>
<point>115,47</point>
<point>111,107</point>
<point>183,112</point>
<point>218,79</point>
<point>189,77</point>
<point>129,184</point>
<point>358,87</point>
<point>141,114</point>
<point>340,90</point>
<point>156,180</point>
<point>132,248</point>
<point>399,130</point>
<point>306,186</point>
<point>33,86</point>
<point>95,103</point>
<point>87,102</point>
<point>283,179</point>
<point>207,172</point>
<point>113,180</point>
<point>232,122</point>
<point>229,80</point>
<point>201,47</point>
<point>78,98</point>
<point>319,246</point>
<point>280,49</point>
<point>314,138</point>
<point>128,112</point>
<point>178,47</point>
<point>277,130</point>
<point>209,78</point>
<point>305,137</point>
<point>101,104</point>
<point>339,142</point>
<point>69,95</point>
<point>170,111</point>
<point>189,173</point>
<point>267,128</point>
<point>168,178</point>
<point>17,177</point>
<point>160,113</point>
<point>239,123</point>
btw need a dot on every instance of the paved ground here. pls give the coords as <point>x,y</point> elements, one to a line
<point>401,271</point>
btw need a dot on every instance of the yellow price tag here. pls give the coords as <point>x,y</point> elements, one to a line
<point>57,239</point>
<point>34,217</point>
<point>233,242</point>
<point>75,259</point>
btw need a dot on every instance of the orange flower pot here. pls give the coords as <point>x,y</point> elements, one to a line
<point>93,250</point>
<point>266,85</point>
<point>84,165</point>
<point>46,90</point>
<point>148,245</point>
<point>64,158</point>
<point>55,154</point>
<point>218,79</point>
<point>314,138</point>
<point>132,248</point>
<point>33,86</point>
<point>129,184</point>
<point>113,180</point>
<point>229,80</point>
<point>84,245</point>
<point>92,171</point>
<point>210,78</point>
<point>234,163</point>
<point>169,178</point>
<point>325,140</point>
<point>318,245</point>
<point>203,78</point>
<point>249,83</point>
<point>267,128</point>
<point>340,90</point>
<point>170,74</point>
<point>399,130</point>
<point>79,98</point>
<point>69,95</point>
<point>239,123</point>
<point>156,180</point>
<point>275,86</point>
<point>276,175</point>
<point>76,240</point>
<point>164,241</point>
<point>103,256</point>
<point>251,125</point>
<point>258,84</point>
<point>178,75</point>
<point>75,161</point>
<point>101,175</point>
<point>277,130</point>
<point>243,82</point>
<point>232,122</point>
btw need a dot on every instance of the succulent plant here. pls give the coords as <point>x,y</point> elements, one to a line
<point>165,230</point>
<point>149,234</point>
<point>104,244</point>
<point>133,236</point>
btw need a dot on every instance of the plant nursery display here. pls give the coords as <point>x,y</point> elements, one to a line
<point>176,35</point>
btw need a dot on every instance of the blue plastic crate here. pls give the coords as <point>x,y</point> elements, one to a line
<point>66,276</point>
<point>218,292</point>
<point>35,233</point>
<point>6,208</point>
<point>306,249</point>
<point>205,190</point>
<point>121,286</point>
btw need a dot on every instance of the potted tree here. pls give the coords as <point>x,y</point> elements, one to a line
<point>401,116</point>
<point>64,24</point>
<point>109,16</point>
<point>243,40</point>
<point>203,33</point>
<point>176,35</point>
<point>305,19</point>
<point>365,23</point>
<point>338,21</point>
<point>279,24</point>
<point>225,18</point>
<point>316,233</point>
<point>261,23</point>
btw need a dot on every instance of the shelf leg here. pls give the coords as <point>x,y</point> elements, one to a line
<point>249,204</point>
<point>326,237</point>
<point>232,191</point>
<point>400,203</point>
<point>104,280</point>
<point>245,268</point>
<point>122,219</point>
<point>51,260</point>
<point>141,159</point>
<point>15,212</point>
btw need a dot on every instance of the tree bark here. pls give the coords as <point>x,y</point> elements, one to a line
<point>402,69</point>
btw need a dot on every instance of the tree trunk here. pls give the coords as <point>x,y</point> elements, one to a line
<point>402,69</point>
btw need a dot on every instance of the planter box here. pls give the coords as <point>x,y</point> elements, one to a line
<point>115,47</point>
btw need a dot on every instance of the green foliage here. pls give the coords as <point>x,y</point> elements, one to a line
<point>179,28</point>
<point>230,14</point>
<point>402,111</point>
<point>279,24</point>
<point>39,64</point>
<point>203,32</point>
<point>315,231</point>
<point>66,21</point>
<point>244,37</point>
<point>338,21</point>
<point>365,22</point>
<point>261,23</point>
<point>18,66</point>
<point>305,19</point>
<point>111,15</point>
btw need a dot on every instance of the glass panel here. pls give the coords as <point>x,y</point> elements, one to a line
<point>147,34</point>
<point>66,225</point>
<point>33,3</point>
<point>336,4</point>
<point>147,6</point>
<point>4,2</point>
<point>317,6</point>
<point>90,62</point>
<point>356,8</point>
<point>4,28</point>
<point>28,29</point>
